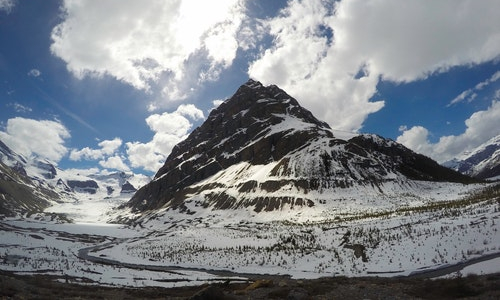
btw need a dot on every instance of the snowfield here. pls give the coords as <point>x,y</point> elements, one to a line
<point>356,233</point>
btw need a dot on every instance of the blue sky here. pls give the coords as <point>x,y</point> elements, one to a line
<point>115,84</point>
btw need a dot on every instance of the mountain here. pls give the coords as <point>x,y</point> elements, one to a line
<point>482,162</point>
<point>19,193</point>
<point>261,150</point>
<point>32,185</point>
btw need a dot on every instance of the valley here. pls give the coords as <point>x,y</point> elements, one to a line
<point>219,246</point>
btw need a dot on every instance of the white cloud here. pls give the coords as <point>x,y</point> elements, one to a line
<point>107,148</point>
<point>114,162</point>
<point>470,94</point>
<point>107,154</point>
<point>19,108</point>
<point>169,129</point>
<point>7,5</point>
<point>110,146</point>
<point>401,41</point>
<point>189,110</point>
<point>29,137</point>
<point>34,73</point>
<point>216,103</point>
<point>149,44</point>
<point>143,155</point>
<point>84,172</point>
<point>480,127</point>
<point>416,138</point>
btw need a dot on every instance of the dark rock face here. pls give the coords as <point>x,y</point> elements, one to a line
<point>260,126</point>
<point>88,186</point>
<point>63,186</point>
<point>49,171</point>
<point>19,195</point>
<point>6,152</point>
<point>19,168</point>
<point>109,190</point>
<point>128,188</point>
<point>410,164</point>
<point>238,130</point>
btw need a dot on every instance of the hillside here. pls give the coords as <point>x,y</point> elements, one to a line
<point>261,150</point>
<point>38,186</point>
<point>483,162</point>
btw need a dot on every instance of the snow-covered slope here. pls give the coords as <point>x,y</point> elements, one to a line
<point>261,187</point>
<point>21,194</point>
<point>483,162</point>
<point>260,150</point>
<point>34,185</point>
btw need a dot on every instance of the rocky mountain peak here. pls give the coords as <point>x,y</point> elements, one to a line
<point>254,125</point>
<point>258,124</point>
<point>261,148</point>
<point>264,115</point>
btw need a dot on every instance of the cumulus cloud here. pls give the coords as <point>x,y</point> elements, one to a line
<point>114,162</point>
<point>169,129</point>
<point>7,5</point>
<point>44,138</point>
<point>108,155</point>
<point>149,45</point>
<point>107,147</point>
<point>331,56</point>
<point>480,127</point>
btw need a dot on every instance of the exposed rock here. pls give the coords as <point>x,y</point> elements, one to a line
<point>19,195</point>
<point>48,169</point>
<point>261,149</point>
<point>359,251</point>
<point>63,186</point>
<point>109,190</point>
<point>412,165</point>
<point>87,186</point>
<point>128,188</point>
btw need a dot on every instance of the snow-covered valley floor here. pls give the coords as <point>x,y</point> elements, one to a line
<point>173,248</point>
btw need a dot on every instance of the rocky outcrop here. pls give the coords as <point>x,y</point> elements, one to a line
<point>410,164</point>
<point>48,171</point>
<point>86,186</point>
<point>128,188</point>
<point>61,185</point>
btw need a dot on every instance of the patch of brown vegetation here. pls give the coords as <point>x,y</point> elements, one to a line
<point>471,287</point>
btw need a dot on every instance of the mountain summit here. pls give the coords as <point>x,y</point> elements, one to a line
<point>483,162</point>
<point>261,150</point>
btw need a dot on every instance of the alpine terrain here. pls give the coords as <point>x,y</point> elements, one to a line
<point>260,194</point>
<point>38,186</point>
<point>483,162</point>
<point>261,150</point>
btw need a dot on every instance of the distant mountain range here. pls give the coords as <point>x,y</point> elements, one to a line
<point>30,185</point>
<point>261,150</point>
<point>483,162</point>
